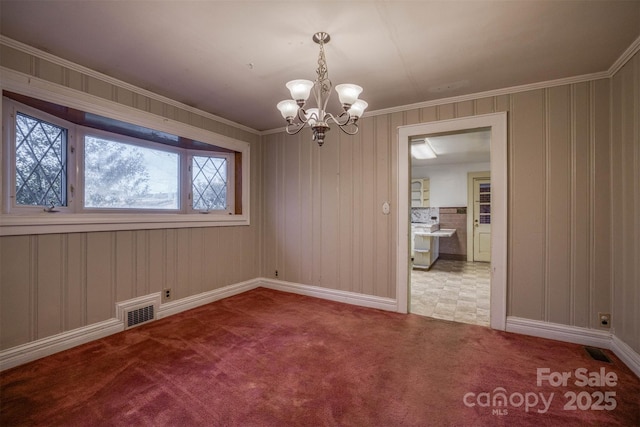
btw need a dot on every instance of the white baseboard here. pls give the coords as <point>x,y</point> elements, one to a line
<point>558,332</point>
<point>354,298</point>
<point>47,346</point>
<point>194,301</point>
<point>44,347</point>
<point>576,335</point>
<point>626,354</point>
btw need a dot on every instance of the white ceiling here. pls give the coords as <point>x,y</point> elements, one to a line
<point>232,58</point>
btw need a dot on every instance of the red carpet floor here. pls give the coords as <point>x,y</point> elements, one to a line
<point>267,358</point>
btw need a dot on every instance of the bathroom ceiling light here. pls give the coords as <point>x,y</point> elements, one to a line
<point>421,149</point>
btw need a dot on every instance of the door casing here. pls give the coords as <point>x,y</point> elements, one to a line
<point>497,122</point>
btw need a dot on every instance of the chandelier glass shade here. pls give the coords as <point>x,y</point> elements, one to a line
<point>295,110</point>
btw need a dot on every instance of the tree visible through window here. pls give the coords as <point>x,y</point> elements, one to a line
<point>120,175</point>
<point>41,167</point>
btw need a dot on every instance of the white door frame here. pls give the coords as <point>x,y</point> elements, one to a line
<point>497,122</point>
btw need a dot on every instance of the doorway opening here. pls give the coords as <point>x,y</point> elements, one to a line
<point>496,124</point>
<point>450,229</point>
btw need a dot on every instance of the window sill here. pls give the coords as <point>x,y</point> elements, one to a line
<point>46,223</point>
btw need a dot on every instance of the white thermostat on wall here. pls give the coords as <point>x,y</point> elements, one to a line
<point>386,208</point>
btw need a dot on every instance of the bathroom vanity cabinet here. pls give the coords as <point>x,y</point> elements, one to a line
<point>425,250</point>
<point>426,246</point>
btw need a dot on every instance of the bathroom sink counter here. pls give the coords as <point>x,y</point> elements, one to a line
<point>443,232</point>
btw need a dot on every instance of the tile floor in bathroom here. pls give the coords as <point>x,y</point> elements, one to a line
<point>452,290</point>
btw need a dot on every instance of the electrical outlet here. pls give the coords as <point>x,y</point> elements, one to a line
<point>166,294</point>
<point>276,273</point>
<point>604,319</point>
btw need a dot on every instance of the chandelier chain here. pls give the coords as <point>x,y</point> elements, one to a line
<point>323,71</point>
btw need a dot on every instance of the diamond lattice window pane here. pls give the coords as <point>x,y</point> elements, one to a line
<point>209,183</point>
<point>41,166</point>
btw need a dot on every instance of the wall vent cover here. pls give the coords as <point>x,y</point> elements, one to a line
<point>138,310</point>
<point>139,316</point>
<point>597,354</point>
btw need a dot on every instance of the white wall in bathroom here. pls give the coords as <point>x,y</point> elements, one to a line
<point>448,183</point>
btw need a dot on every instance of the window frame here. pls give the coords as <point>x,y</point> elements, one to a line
<point>75,165</point>
<point>83,132</point>
<point>230,158</point>
<point>9,205</point>
<point>44,223</point>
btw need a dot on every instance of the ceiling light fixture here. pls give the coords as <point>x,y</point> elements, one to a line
<point>317,118</point>
<point>421,149</point>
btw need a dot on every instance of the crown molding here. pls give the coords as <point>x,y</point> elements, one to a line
<point>477,95</point>
<point>30,50</point>
<point>491,93</point>
<point>615,67</point>
<point>625,57</point>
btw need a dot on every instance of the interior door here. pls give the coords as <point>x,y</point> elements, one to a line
<point>482,219</point>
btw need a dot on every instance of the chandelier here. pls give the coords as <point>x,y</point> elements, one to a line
<point>297,116</point>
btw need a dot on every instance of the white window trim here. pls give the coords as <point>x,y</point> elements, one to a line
<point>83,132</point>
<point>45,223</point>
<point>9,204</point>
<point>230,176</point>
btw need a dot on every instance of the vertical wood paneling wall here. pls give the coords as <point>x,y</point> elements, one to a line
<point>574,222</point>
<point>53,283</point>
<point>323,222</point>
<point>625,190</point>
<point>323,206</point>
<point>58,282</point>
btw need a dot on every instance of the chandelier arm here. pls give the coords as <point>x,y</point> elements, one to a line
<point>302,116</point>
<point>296,126</point>
<point>344,129</point>
<point>343,125</point>
<point>342,120</point>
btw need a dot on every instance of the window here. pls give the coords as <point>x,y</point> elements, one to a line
<point>209,184</point>
<point>485,203</point>
<point>59,166</point>
<point>40,162</point>
<point>118,175</point>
